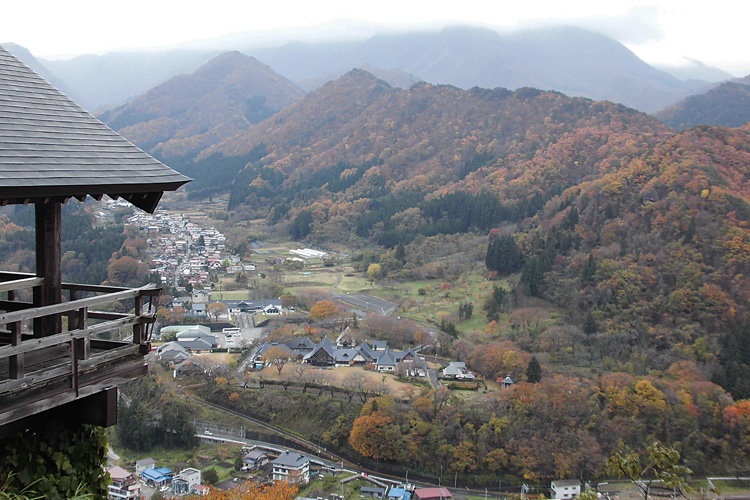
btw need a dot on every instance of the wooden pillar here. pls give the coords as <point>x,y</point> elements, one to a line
<point>16,362</point>
<point>48,265</point>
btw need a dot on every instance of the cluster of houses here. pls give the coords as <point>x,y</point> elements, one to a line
<point>294,467</point>
<point>182,248</point>
<point>189,340</point>
<point>379,488</point>
<point>199,301</point>
<point>126,485</point>
<point>374,354</point>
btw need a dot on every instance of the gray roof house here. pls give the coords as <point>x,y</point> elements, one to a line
<point>457,370</point>
<point>197,345</point>
<point>172,351</point>
<point>52,150</point>
<point>300,345</point>
<point>323,354</point>
<point>291,467</point>
<point>146,463</point>
<point>344,357</point>
<point>188,368</point>
<point>387,361</point>
<point>378,345</point>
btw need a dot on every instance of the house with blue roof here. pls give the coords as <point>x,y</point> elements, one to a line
<point>398,494</point>
<point>157,477</point>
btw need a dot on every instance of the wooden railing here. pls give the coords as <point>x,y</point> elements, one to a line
<point>41,369</point>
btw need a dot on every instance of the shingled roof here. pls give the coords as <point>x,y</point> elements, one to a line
<point>52,149</point>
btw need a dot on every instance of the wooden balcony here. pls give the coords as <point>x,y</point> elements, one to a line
<point>43,367</point>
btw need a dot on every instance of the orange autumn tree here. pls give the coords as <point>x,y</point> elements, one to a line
<point>278,490</point>
<point>322,309</point>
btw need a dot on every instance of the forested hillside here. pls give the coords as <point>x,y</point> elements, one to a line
<point>637,233</point>
<point>727,105</point>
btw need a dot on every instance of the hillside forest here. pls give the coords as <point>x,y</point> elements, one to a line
<point>614,252</point>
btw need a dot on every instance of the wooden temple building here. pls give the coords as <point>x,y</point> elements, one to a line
<point>53,365</point>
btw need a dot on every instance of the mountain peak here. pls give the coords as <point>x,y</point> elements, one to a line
<point>222,97</point>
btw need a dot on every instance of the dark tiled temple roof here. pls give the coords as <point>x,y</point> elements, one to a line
<point>51,148</point>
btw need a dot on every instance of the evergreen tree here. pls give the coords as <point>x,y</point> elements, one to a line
<point>465,310</point>
<point>302,225</point>
<point>589,325</point>
<point>503,255</point>
<point>400,252</point>
<point>589,270</point>
<point>449,327</point>
<point>534,371</point>
<point>494,303</point>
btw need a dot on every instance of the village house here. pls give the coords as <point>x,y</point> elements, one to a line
<point>172,352</point>
<point>253,459</point>
<point>188,368</point>
<point>270,307</point>
<point>372,492</point>
<point>141,465</point>
<point>457,370</point>
<point>291,467</point>
<point>156,478</point>
<point>398,494</point>
<point>186,481</point>
<point>432,494</point>
<point>124,485</point>
<point>565,489</point>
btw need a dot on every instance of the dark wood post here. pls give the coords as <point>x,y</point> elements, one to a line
<point>15,363</point>
<point>48,265</point>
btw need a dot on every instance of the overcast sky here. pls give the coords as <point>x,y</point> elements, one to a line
<point>660,32</point>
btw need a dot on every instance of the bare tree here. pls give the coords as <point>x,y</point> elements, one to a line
<point>356,382</point>
<point>311,377</point>
<point>278,356</point>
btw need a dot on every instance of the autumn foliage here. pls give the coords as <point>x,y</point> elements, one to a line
<point>323,309</point>
<point>278,490</point>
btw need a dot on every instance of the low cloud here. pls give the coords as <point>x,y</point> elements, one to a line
<point>638,26</point>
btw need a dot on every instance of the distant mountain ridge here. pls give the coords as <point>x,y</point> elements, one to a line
<point>727,105</point>
<point>428,135</point>
<point>569,60</point>
<point>104,81</point>
<point>191,112</point>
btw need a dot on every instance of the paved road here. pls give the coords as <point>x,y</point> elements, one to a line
<point>368,303</point>
<point>434,378</point>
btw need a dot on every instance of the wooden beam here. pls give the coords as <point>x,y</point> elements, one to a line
<point>61,395</point>
<point>63,338</point>
<point>9,305</point>
<point>21,284</point>
<point>74,305</point>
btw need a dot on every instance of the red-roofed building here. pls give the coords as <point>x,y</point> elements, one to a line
<point>432,493</point>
